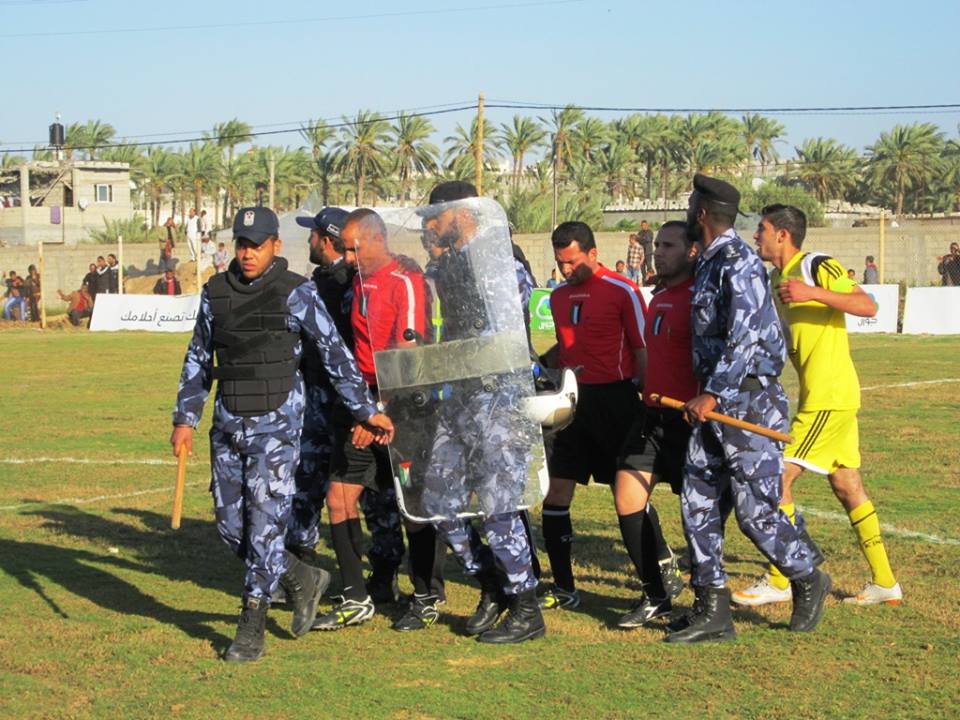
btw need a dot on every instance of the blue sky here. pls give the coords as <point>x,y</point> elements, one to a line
<point>594,52</point>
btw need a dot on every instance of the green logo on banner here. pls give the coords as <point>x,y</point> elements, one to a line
<point>540,316</point>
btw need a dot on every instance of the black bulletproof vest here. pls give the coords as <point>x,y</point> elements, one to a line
<point>256,365</point>
<point>463,308</point>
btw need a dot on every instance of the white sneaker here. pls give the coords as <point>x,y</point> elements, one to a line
<point>762,592</point>
<point>873,594</point>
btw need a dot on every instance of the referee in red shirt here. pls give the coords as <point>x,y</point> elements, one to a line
<point>656,445</point>
<point>598,316</point>
<point>389,300</point>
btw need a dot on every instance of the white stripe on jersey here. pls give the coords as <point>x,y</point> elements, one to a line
<point>411,300</point>
<point>634,298</point>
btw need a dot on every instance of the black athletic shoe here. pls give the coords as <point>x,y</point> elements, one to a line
<point>347,613</point>
<point>421,614</point>
<point>809,595</point>
<point>712,622</point>
<point>523,621</point>
<point>643,611</point>
<point>249,643</point>
<point>670,576</point>
<point>556,598</point>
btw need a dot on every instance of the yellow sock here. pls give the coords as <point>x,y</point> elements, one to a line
<point>865,523</point>
<point>777,578</point>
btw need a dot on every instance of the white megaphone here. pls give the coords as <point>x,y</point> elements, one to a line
<point>554,410</point>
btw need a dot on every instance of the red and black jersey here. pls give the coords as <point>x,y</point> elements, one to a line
<point>669,352</point>
<point>599,325</point>
<point>385,304</point>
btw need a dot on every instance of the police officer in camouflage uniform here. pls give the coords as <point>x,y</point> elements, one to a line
<point>255,318</point>
<point>476,448</point>
<point>738,353</point>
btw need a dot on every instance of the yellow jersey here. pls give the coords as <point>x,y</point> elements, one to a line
<point>817,335</point>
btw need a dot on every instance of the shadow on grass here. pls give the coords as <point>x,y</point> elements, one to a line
<point>81,572</point>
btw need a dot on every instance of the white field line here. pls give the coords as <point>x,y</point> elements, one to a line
<point>942,381</point>
<point>99,498</point>
<point>887,529</point>
<point>85,461</point>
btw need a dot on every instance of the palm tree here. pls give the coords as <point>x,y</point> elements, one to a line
<point>561,124</point>
<point>361,150</point>
<point>227,135</point>
<point>201,167</point>
<point>412,152</point>
<point>317,134</point>
<point>613,161</point>
<point>520,137</point>
<point>236,180</point>
<point>158,166</point>
<point>589,136</point>
<point>461,154</point>
<point>89,137</point>
<point>905,158</point>
<point>759,134</point>
<point>826,167</point>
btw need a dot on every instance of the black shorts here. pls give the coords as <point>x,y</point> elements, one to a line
<point>589,447</point>
<point>369,467</point>
<point>657,444</point>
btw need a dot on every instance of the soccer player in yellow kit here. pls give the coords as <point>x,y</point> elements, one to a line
<point>812,295</point>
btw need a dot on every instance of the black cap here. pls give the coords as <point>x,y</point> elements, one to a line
<point>328,221</point>
<point>255,224</point>
<point>717,191</point>
<point>452,190</point>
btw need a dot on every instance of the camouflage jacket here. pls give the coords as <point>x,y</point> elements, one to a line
<point>735,328</point>
<point>308,317</point>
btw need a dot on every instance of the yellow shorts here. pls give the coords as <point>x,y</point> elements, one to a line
<point>824,440</point>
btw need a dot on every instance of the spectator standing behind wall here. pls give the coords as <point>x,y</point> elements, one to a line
<point>193,234</point>
<point>31,292</point>
<point>645,236</point>
<point>635,257</point>
<point>102,282</point>
<point>871,275</point>
<point>949,267</point>
<point>167,285</point>
<point>113,275</point>
<point>90,280</point>
<point>14,297</point>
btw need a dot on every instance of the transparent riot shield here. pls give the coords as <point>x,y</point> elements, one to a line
<point>455,388</point>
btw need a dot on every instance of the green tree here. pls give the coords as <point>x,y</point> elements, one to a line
<point>412,151</point>
<point>520,137</point>
<point>227,135</point>
<point>826,167</point>
<point>906,158</point>
<point>760,135</point>
<point>361,149</point>
<point>589,136</point>
<point>201,167</point>
<point>460,156</point>
<point>561,125</point>
<point>88,138</point>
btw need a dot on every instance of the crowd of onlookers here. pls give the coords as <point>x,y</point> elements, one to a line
<point>21,295</point>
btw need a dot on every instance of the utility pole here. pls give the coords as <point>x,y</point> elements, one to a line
<point>553,217</point>
<point>883,243</point>
<point>273,167</point>
<point>478,149</point>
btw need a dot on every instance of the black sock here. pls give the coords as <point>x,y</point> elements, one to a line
<point>640,547</point>
<point>437,584</point>
<point>652,579</point>
<point>422,544</point>
<point>663,549</point>
<point>351,566</point>
<point>534,560</point>
<point>558,536</point>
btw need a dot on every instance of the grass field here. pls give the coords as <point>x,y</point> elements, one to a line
<point>108,613</point>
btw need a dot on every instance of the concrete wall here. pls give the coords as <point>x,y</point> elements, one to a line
<point>65,266</point>
<point>911,253</point>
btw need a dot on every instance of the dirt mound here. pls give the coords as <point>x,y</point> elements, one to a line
<point>186,273</point>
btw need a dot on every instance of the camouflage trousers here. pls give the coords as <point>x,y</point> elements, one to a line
<point>312,480</point>
<point>382,515</point>
<point>727,465</point>
<point>507,549</point>
<point>481,449</point>
<point>252,488</point>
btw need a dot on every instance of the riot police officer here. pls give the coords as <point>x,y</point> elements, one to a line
<point>255,318</point>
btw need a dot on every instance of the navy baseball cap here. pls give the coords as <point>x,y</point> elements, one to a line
<point>449,191</point>
<point>255,224</point>
<point>328,221</point>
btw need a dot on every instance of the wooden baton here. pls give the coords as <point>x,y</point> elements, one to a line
<point>726,420</point>
<point>178,488</point>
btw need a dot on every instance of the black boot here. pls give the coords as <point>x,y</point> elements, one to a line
<point>816,554</point>
<point>304,585</point>
<point>382,585</point>
<point>682,622</point>
<point>712,621</point>
<point>809,594</point>
<point>523,621</point>
<point>248,645</point>
<point>492,603</point>
<point>305,554</point>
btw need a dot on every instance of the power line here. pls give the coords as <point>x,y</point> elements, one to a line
<point>302,21</point>
<point>435,110</point>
